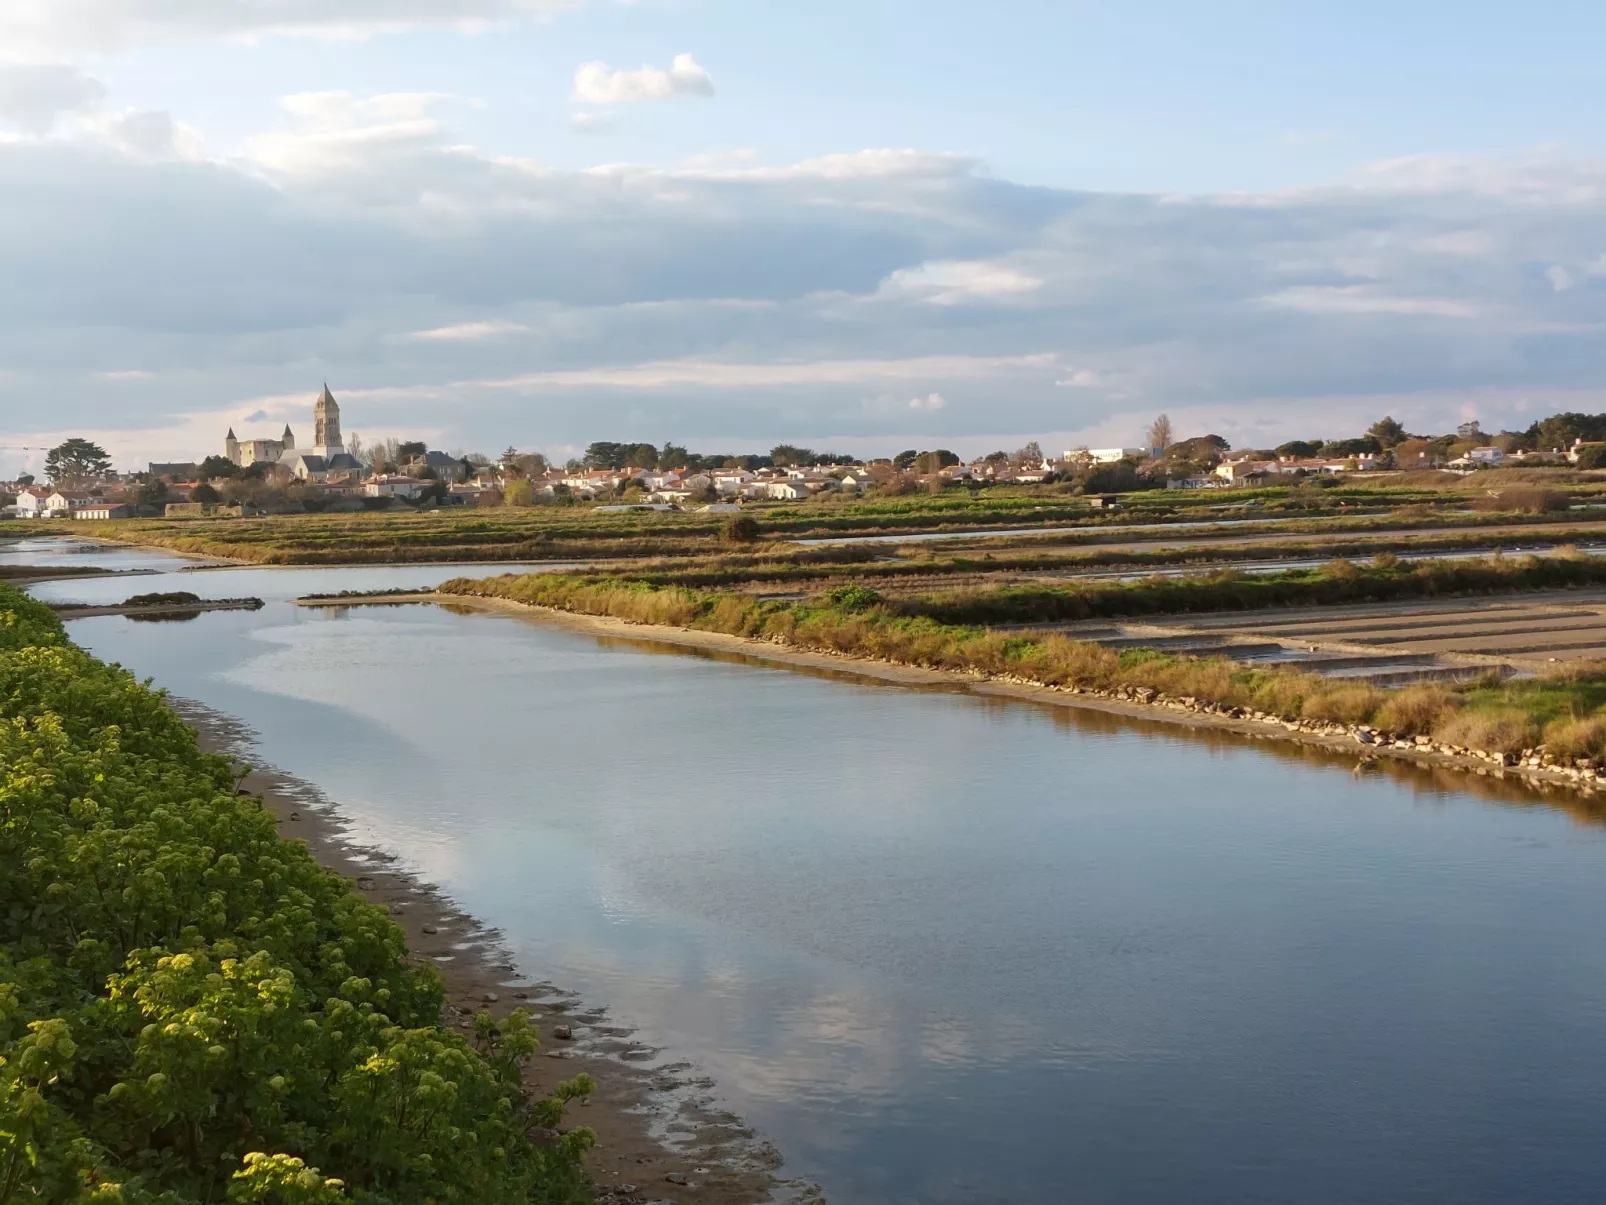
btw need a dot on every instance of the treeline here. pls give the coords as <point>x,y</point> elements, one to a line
<point>605,454</point>
<point>191,1010</point>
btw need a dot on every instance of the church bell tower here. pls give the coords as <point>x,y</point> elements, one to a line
<point>326,423</point>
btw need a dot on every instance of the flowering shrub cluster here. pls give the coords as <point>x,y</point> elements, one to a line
<point>192,1010</point>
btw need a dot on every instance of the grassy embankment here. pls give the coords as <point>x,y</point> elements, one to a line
<point>949,632</point>
<point>191,1010</point>
<point>922,564</point>
<point>579,533</point>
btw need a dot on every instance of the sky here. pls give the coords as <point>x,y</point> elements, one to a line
<point>861,227</point>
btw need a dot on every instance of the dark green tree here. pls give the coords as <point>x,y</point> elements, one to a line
<point>77,460</point>
<point>784,455</point>
<point>1388,432</point>
<point>1592,456</point>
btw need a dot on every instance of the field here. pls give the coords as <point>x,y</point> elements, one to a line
<point>1180,525</point>
<point>1527,633</point>
<point>1327,598</point>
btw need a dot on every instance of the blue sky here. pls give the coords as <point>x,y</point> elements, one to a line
<point>861,224</point>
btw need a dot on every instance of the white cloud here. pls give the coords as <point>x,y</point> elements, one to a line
<point>33,96</point>
<point>932,401</point>
<point>336,130</point>
<point>470,331</point>
<point>126,374</point>
<point>29,27</point>
<point>599,84</point>
<point>725,374</point>
<point>520,303</point>
<point>1082,378</point>
<point>959,282</point>
<point>1560,279</point>
<point>1364,299</point>
<point>1459,242</point>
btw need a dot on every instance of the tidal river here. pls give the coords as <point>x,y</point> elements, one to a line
<point>945,950</point>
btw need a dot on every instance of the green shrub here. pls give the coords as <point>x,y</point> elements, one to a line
<point>189,1004</point>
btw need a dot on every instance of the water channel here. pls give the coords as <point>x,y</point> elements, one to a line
<point>946,950</point>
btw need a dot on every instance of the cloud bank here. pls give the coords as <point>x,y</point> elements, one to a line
<point>865,298</point>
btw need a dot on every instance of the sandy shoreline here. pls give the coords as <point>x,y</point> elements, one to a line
<point>654,1119</point>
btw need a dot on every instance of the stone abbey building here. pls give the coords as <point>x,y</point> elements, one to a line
<point>327,456</point>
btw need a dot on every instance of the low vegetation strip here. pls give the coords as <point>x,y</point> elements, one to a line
<point>1559,719</point>
<point>191,1010</point>
<point>1384,579</point>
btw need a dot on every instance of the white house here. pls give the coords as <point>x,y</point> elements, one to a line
<point>392,486</point>
<point>788,491</point>
<point>1488,456</point>
<point>1108,455</point>
<point>60,505</point>
<point>31,503</point>
<point>102,510</point>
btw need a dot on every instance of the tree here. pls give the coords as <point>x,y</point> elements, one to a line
<point>1388,432</point>
<point>25,479</point>
<point>354,445</point>
<point>1366,445</point>
<point>218,466</point>
<point>204,493</point>
<point>1160,434</point>
<point>531,464</point>
<point>1414,454</point>
<point>784,455</point>
<point>1592,456</point>
<point>153,494</point>
<point>518,492</point>
<point>1557,433</point>
<point>76,460</point>
<point>600,455</point>
<point>1031,454</point>
<point>903,460</point>
<point>1299,449</point>
<point>411,449</point>
<point>740,529</point>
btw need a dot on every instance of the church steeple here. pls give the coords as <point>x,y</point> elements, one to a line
<point>288,438</point>
<point>326,425</point>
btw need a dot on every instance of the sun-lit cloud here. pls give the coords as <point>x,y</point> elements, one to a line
<point>1361,299</point>
<point>469,331</point>
<point>959,282</point>
<point>510,301</point>
<point>599,84</point>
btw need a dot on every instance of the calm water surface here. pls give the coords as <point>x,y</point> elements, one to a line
<point>945,950</point>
